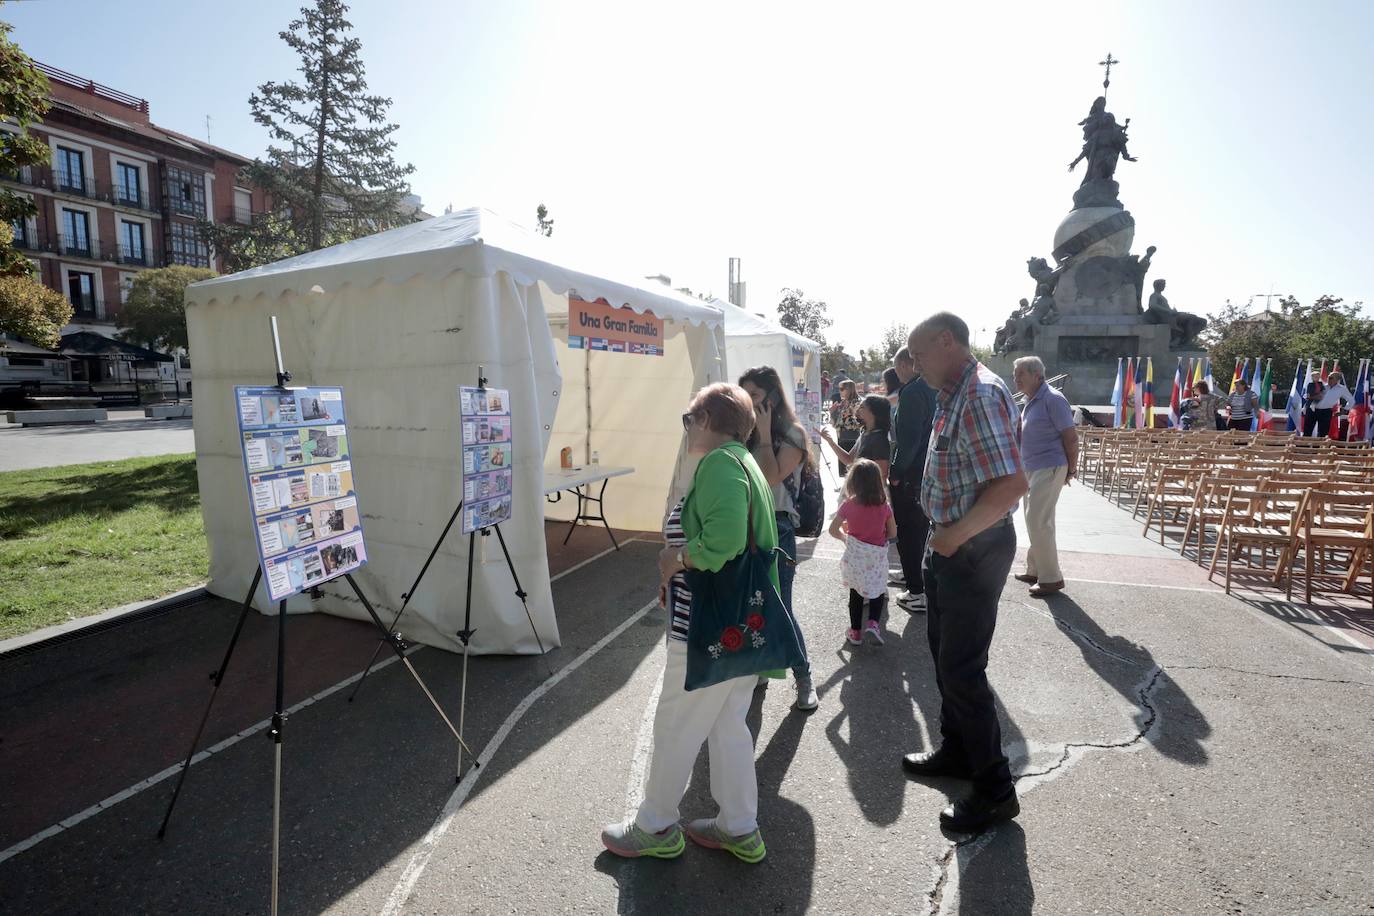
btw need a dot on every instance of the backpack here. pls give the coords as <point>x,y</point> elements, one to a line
<point>809,497</point>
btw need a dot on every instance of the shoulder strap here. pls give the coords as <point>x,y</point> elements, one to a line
<point>749,488</point>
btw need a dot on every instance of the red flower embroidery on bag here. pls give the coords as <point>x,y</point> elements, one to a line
<point>732,639</point>
<point>755,622</point>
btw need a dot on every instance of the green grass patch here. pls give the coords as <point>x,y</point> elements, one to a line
<point>81,539</point>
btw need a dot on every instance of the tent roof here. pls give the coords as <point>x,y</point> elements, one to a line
<point>739,323</point>
<point>475,241</point>
<point>89,343</point>
<point>28,349</point>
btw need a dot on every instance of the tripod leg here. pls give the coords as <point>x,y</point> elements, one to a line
<point>466,637</point>
<point>519,592</point>
<point>278,720</point>
<point>406,601</point>
<point>389,640</point>
<point>219,678</point>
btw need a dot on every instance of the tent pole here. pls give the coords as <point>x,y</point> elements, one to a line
<point>587,395</point>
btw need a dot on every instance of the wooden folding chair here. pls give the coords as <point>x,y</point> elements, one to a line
<point>1329,520</point>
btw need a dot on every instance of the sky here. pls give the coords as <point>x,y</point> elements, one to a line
<point>892,159</point>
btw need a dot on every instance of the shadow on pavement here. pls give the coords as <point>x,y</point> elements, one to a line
<point>997,879</point>
<point>362,782</point>
<point>1182,732</point>
<point>712,881</point>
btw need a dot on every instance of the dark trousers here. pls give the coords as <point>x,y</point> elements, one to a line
<point>1239,425</point>
<point>962,592</point>
<point>847,441</point>
<point>856,609</point>
<point>787,573</point>
<point>1316,422</point>
<point>912,529</point>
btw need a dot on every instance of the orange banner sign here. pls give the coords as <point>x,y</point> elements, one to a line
<point>599,326</point>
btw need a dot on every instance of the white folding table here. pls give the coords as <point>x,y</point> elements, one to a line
<point>580,481</point>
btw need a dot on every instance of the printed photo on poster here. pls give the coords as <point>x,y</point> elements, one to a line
<point>487,455</point>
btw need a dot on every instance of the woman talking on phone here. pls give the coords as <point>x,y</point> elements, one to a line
<point>778,444</point>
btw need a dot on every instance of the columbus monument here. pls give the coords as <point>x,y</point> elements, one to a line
<point>1092,306</point>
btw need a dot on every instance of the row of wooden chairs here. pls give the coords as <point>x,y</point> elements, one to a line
<point>1278,495</point>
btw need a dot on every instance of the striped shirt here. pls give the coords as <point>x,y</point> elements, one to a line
<point>1243,404</point>
<point>972,442</point>
<point>679,596</point>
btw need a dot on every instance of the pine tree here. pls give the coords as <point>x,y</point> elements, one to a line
<point>329,172</point>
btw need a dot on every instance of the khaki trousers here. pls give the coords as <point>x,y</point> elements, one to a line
<point>1042,558</point>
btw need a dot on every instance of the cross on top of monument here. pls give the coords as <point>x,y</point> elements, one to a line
<point>1107,79</point>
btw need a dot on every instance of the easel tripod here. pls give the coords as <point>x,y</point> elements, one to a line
<point>278,713</point>
<point>465,634</point>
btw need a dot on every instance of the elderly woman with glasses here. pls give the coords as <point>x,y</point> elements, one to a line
<point>705,531</point>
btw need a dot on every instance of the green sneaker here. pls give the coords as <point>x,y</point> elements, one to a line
<point>748,848</point>
<point>632,841</point>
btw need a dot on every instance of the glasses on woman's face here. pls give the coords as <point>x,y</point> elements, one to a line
<point>687,421</point>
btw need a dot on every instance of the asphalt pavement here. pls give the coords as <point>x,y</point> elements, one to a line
<point>1177,751</point>
<point>126,434</point>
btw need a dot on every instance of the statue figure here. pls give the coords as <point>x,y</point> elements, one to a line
<point>1043,308</point>
<point>1184,327</point>
<point>1138,267</point>
<point>1103,142</point>
<point>1017,333</point>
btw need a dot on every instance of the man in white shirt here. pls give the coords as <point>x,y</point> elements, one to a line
<point>1330,401</point>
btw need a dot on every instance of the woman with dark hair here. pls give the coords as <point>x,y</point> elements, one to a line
<point>892,384</point>
<point>705,531</point>
<point>846,421</point>
<point>875,413</point>
<point>778,444</point>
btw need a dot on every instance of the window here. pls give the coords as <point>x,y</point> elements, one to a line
<point>71,170</point>
<point>128,185</point>
<point>21,232</point>
<point>25,361</point>
<point>81,292</point>
<point>76,236</point>
<point>243,205</point>
<point>187,248</point>
<point>185,191</point>
<point>131,242</point>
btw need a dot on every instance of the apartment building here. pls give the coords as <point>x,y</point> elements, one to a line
<point>121,195</point>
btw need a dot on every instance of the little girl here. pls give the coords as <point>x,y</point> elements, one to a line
<point>865,523</point>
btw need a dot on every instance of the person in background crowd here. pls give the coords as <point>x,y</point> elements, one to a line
<point>845,418</point>
<point>864,522</point>
<point>1202,410</point>
<point>875,415</point>
<point>1241,405</point>
<point>1329,402</point>
<point>910,437</point>
<point>1315,389</point>
<point>778,444</point>
<point>825,386</point>
<point>973,479</point>
<point>705,531</point>
<point>892,385</point>
<point>1049,456</point>
<point>1278,399</point>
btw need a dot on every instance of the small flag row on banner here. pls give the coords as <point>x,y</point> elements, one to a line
<point>1133,396</point>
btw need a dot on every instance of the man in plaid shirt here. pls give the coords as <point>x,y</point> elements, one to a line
<point>973,479</point>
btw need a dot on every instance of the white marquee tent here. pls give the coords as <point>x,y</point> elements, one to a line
<point>399,320</point>
<point>753,340</point>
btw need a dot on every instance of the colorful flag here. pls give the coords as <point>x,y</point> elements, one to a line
<point>1359,408</point>
<point>1175,418</point>
<point>1207,375</point>
<point>1295,400</point>
<point>1128,393</point>
<point>1265,402</point>
<point>1138,393</point>
<point>1117,402</point>
<point>1148,399</point>
<point>1322,374</point>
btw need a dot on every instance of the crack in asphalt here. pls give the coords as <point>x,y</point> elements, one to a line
<point>1144,699</point>
<point>1275,676</point>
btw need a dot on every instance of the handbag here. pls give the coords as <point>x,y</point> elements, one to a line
<point>739,624</point>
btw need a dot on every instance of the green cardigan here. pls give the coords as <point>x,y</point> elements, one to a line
<point>714,510</point>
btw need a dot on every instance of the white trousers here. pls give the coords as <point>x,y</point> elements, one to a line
<point>683,720</point>
<point>1042,558</point>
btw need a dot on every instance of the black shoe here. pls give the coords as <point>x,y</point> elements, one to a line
<point>935,763</point>
<point>978,812</point>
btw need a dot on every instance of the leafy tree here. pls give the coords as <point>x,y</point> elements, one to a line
<point>893,339</point>
<point>155,313</point>
<point>27,308</point>
<point>1328,328</point>
<point>835,360</point>
<point>541,213</point>
<point>329,175</point>
<point>806,317</point>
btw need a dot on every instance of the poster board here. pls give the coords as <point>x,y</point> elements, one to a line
<point>300,485</point>
<point>487,453</point>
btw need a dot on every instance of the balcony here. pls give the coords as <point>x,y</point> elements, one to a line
<point>124,196</point>
<point>74,183</point>
<point>75,247</point>
<point>241,215</point>
<point>87,307</point>
<point>138,256</point>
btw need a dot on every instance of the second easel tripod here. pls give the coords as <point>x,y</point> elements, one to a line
<point>465,634</point>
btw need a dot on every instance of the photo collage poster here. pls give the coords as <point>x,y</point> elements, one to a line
<point>300,483</point>
<point>487,455</point>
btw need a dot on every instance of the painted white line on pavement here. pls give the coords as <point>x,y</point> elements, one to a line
<point>172,770</point>
<point>419,861</point>
<point>644,744</point>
